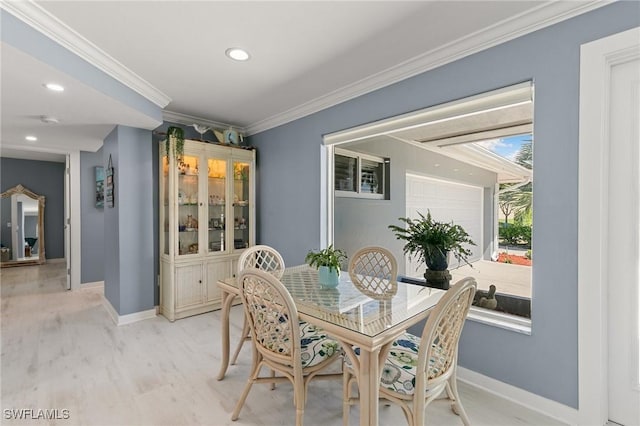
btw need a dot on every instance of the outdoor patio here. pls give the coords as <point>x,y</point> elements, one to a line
<point>508,278</point>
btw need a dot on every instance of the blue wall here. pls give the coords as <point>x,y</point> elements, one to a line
<point>92,220</point>
<point>129,231</point>
<point>546,362</point>
<point>44,178</point>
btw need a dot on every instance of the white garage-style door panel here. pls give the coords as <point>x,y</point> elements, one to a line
<point>447,201</point>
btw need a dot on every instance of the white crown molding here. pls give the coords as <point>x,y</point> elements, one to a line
<point>188,120</point>
<point>35,16</point>
<point>540,17</point>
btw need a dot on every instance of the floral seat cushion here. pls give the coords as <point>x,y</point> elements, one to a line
<point>315,345</point>
<point>399,371</point>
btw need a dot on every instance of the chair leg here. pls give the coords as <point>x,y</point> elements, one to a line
<point>456,405</point>
<point>346,394</point>
<point>273,384</point>
<point>243,397</point>
<point>255,372</point>
<point>245,336</point>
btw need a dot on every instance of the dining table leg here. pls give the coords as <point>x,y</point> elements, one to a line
<point>368,387</point>
<point>227,300</point>
<point>369,376</point>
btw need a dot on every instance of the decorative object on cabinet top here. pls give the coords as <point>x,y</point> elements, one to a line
<point>201,129</point>
<point>219,140</point>
<point>175,134</point>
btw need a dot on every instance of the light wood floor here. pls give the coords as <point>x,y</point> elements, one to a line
<point>60,350</point>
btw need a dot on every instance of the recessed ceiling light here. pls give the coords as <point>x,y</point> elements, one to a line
<point>55,87</point>
<point>237,54</point>
<point>31,138</point>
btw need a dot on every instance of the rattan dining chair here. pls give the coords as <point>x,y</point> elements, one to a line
<point>374,271</point>
<point>418,369</point>
<point>266,259</point>
<point>297,351</point>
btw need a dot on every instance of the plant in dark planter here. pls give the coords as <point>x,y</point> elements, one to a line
<point>176,135</point>
<point>431,242</point>
<point>328,262</point>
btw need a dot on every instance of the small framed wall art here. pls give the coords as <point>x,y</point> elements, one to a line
<point>109,191</point>
<point>99,186</point>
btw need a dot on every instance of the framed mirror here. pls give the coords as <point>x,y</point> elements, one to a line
<point>22,227</point>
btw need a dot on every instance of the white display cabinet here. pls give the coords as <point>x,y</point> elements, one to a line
<point>207,217</point>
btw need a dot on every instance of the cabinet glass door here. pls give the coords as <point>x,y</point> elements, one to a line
<point>216,189</point>
<point>188,205</point>
<point>165,202</point>
<point>241,204</point>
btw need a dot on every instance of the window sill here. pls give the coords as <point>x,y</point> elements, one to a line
<point>353,194</point>
<point>500,320</point>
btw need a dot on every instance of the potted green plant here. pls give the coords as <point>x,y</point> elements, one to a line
<point>432,241</point>
<point>176,135</point>
<point>328,262</point>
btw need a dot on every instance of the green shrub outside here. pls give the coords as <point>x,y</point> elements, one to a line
<point>515,234</point>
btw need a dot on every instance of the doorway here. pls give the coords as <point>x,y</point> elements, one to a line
<point>609,231</point>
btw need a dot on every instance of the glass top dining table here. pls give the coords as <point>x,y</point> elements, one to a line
<point>350,315</point>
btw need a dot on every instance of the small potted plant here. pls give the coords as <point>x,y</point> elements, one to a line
<point>431,242</point>
<point>176,135</point>
<point>328,262</point>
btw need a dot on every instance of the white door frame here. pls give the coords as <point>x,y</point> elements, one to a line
<point>596,60</point>
<point>75,214</point>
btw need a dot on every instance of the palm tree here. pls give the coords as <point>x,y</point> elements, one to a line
<point>519,201</point>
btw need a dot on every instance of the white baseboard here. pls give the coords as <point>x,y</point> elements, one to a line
<point>525,398</point>
<point>129,318</point>
<point>92,285</point>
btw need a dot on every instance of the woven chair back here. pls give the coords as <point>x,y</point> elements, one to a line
<point>264,258</point>
<point>272,315</point>
<point>374,271</point>
<point>441,334</point>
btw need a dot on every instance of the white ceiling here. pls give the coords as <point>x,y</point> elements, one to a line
<point>305,56</point>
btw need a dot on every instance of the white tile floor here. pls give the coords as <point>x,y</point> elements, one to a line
<point>60,350</point>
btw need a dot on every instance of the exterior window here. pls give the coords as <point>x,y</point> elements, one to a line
<point>371,177</point>
<point>360,175</point>
<point>346,173</point>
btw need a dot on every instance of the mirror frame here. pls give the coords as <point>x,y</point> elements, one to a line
<point>16,190</point>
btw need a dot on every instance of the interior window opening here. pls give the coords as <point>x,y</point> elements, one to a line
<point>469,162</point>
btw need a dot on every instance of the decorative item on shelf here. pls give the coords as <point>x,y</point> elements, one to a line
<point>201,129</point>
<point>231,136</point>
<point>176,135</point>
<point>181,198</point>
<point>191,223</point>
<point>431,242</point>
<point>240,171</point>
<point>328,262</point>
<point>193,248</point>
<point>219,135</point>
